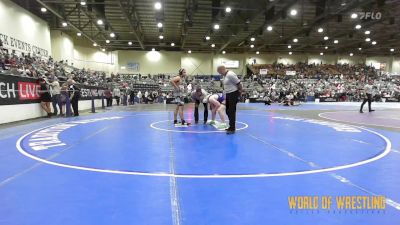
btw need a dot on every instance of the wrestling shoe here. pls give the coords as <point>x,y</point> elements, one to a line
<point>185,123</point>
<point>222,126</point>
<point>230,131</point>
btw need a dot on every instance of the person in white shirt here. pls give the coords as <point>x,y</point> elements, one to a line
<point>368,96</point>
<point>139,95</point>
<point>146,97</point>
<point>55,90</point>
<point>117,94</point>
<point>232,91</point>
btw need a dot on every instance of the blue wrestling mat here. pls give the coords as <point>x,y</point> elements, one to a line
<point>124,167</point>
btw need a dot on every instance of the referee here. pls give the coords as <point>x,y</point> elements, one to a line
<point>198,96</point>
<point>368,96</point>
<point>232,90</point>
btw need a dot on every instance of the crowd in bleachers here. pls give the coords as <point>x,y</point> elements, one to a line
<point>342,81</point>
<point>316,71</point>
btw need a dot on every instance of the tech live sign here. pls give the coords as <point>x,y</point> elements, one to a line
<point>15,44</point>
<point>23,90</point>
<point>18,90</point>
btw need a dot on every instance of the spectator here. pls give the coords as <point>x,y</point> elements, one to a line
<point>108,96</point>
<point>74,96</point>
<point>117,94</point>
<point>55,95</point>
<point>63,99</point>
<point>45,97</point>
<point>139,95</point>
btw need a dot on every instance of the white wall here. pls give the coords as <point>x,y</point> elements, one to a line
<point>95,59</point>
<point>219,58</point>
<point>62,46</point>
<point>12,113</point>
<point>396,65</point>
<point>291,59</point>
<point>151,62</point>
<point>29,32</point>
<point>197,64</point>
<point>261,59</point>
<point>378,61</point>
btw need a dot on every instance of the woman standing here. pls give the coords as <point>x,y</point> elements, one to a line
<point>45,97</point>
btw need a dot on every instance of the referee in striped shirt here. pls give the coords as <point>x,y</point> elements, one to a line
<point>368,96</point>
<point>232,91</point>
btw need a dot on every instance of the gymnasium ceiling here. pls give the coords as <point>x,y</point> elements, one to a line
<point>186,23</point>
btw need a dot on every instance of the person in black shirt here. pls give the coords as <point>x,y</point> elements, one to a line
<point>45,97</point>
<point>197,96</point>
<point>74,96</point>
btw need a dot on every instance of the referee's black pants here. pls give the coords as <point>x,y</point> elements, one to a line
<point>367,99</point>
<point>75,106</point>
<point>196,111</point>
<point>231,101</point>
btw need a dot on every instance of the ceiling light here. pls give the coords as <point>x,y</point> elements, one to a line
<point>130,43</point>
<point>43,9</point>
<point>161,37</point>
<point>358,26</point>
<point>157,5</point>
<point>392,49</point>
<point>189,51</point>
<point>290,53</point>
<point>252,39</point>
<point>321,53</point>
<point>223,52</point>
<point>335,41</point>
<point>374,43</point>
<point>367,39</point>
<point>251,46</point>
<point>103,49</point>
<point>159,25</point>
<point>216,26</point>
<point>83,2</point>
<point>257,52</point>
<point>112,35</point>
<point>367,32</point>
<point>79,34</point>
<point>326,47</point>
<point>295,40</point>
<point>354,15</point>
<point>269,28</point>
<point>289,46</point>
<point>207,38</point>
<point>212,45</point>
<point>351,54</point>
<point>359,49</point>
<point>99,22</point>
<point>107,41</point>
<point>326,38</point>
<point>172,44</point>
<point>94,44</point>
<point>228,9</point>
<point>320,30</point>
<point>293,12</point>
<point>153,49</point>
<point>64,24</point>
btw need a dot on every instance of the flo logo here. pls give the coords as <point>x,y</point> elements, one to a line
<point>370,15</point>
